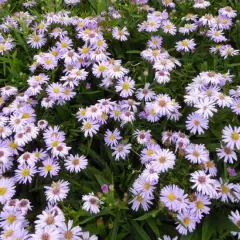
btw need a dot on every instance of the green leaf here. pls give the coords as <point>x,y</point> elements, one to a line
<point>134,52</point>
<point>141,233</point>
<point>116,225</point>
<point>101,180</point>
<point>153,226</point>
<point>147,215</point>
<point>207,229</point>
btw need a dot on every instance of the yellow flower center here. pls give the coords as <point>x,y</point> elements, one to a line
<point>26,115</point>
<point>2,47</point>
<point>171,197</point>
<point>152,24</point>
<point>36,38</point>
<point>48,168</point>
<point>83,112</point>
<point>235,136</point>
<point>64,45</point>
<point>104,115</point>
<point>126,86</point>
<point>85,50</point>
<point>112,137</point>
<point>101,68</point>
<point>8,233</point>
<point>187,221</point>
<point>48,61</point>
<point>11,219</point>
<point>68,235</point>
<point>87,126</point>
<point>152,112</point>
<point>199,205</point>
<point>117,112</point>
<point>139,198</point>
<point>225,189</point>
<point>116,68</point>
<point>67,91</point>
<point>13,145</point>
<point>3,191</point>
<point>196,122</point>
<point>162,159</point>
<point>185,43</point>
<point>25,172</point>
<point>168,26</point>
<point>55,143</point>
<point>120,32</point>
<point>75,161</point>
<point>196,154</point>
<point>155,53</point>
<point>149,152</point>
<point>56,90</point>
<point>209,164</point>
<point>147,186</point>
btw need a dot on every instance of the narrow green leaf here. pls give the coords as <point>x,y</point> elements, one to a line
<point>147,215</point>
<point>141,233</point>
<point>116,225</point>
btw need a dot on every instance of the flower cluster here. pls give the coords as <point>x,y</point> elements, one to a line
<point>135,116</point>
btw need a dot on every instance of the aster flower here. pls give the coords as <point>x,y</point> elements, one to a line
<point>236,106</point>
<point>226,191</point>
<point>36,40</point>
<point>49,233</point>
<point>202,4</point>
<point>7,189</point>
<point>235,218</point>
<point>187,222</point>
<point>69,231</point>
<point>116,71</point>
<point>174,198</point>
<point>199,205</point>
<point>138,200</point>
<point>206,107</point>
<point>204,183</point>
<point>231,136</point>
<point>120,34</point>
<point>91,203</point>
<point>196,123</point>
<point>57,191</point>
<point>228,12</point>
<point>196,153</point>
<point>145,93</point>
<point>155,42</point>
<point>90,127</point>
<point>125,86</point>
<point>50,166</point>
<point>168,27</point>
<point>87,236</point>
<point>186,45</point>
<point>48,219</point>
<point>210,168</point>
<point>144,186</point>
<point>111,138</point>
<point>163,160</point>
<point>228,50</point>
<point>121,151</point>
<point>75,163</point>
<point>227,154</point>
